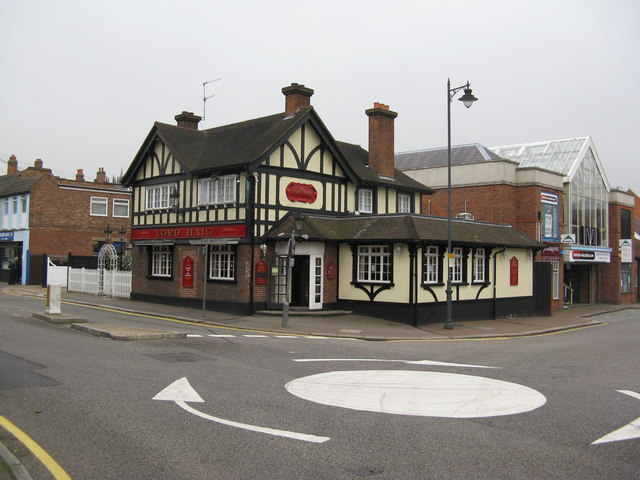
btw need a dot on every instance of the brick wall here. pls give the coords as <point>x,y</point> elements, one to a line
<point>59,219</point>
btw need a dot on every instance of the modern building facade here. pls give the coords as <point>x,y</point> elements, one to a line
<point>557,192</point>
<point>218,213</point>
<point>41,214</point>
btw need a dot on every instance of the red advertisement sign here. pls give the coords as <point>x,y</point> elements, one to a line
<point>551,251</point>
<point>187,272</point>
<point>261,272</point>
<point>331,271</point>
<point>205,231</point>
<point>513,271</point>
<point>301,192</point>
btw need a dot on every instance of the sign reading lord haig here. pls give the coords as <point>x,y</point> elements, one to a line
<point>205,231</point>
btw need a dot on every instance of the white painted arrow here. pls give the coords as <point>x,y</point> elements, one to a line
<point>628,432</point>
<point>408,362</point>
<point>182,392</point>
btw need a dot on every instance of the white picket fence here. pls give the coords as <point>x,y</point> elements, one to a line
<point>112,283</point>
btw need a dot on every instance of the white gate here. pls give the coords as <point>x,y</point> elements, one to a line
<point>102,281</point>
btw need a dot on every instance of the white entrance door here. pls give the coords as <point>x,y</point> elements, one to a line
<point>315,282</point>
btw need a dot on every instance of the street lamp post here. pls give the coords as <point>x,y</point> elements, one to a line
<point>467,99</point>
<point>122,231</point>
<point>291,244</point>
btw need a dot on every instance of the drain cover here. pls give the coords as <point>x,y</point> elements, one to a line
<point>178,357</point>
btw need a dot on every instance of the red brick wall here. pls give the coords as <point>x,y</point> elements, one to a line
<point>60,222</point>
<point>330,287</point>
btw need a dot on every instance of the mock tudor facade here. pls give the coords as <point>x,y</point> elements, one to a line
<point>221,204</point>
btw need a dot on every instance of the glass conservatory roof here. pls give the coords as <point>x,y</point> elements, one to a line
<point>561,156</point>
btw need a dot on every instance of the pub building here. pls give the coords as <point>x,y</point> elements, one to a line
<point>217,213</point>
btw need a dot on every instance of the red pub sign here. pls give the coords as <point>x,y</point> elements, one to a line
<point>205,231</point>
<point>301,192</point>
<point>187,272</point>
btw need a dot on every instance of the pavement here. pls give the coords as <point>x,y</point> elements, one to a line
<point>318,323</point>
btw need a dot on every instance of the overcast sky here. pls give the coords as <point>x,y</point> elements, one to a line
<point>82,81</point>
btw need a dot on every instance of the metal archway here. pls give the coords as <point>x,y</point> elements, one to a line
<point>106,251</point>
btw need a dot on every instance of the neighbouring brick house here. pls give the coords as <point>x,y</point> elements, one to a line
<point>556,192</point>
<point>41,214</point>
<point>213,211</point>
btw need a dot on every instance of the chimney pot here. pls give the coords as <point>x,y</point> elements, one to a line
<point>381,139</point>
<point>296,97</point>
<point>38,163</point>
<point>80,175</point>
<point>188,120</point>
<point>12,165</point>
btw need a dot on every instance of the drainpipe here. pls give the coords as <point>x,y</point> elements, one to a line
<point>495,279</point>
<point>249,189</point>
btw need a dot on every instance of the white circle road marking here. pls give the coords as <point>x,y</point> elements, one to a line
<point>427,394</point>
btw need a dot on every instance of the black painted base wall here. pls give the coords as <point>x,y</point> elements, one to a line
<point>424,314</point>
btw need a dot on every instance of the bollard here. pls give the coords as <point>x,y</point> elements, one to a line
<point>53,300</point>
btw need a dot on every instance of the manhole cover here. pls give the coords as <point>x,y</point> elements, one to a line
<point>178,357</point>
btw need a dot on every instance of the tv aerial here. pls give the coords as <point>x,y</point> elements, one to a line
<point>204,96</point>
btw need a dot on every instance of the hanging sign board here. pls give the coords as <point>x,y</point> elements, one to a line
<point>568,238</point>
<point>625,250</point>
<point>331,271</point>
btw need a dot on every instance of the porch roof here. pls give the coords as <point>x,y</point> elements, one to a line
<point>408,229</point>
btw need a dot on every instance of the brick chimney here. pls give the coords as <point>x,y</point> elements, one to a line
<point>188,120</point>
<point>38,164</point>
<point>79,175</point>
<point>296,97</point>
<point>12,165</point>
<point>381,139</point>
<point>101,176</point>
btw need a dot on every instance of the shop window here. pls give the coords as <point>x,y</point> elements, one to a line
<point>431,266</point>
<point>217,190</point>
<point>625,278</point>
<point>98,206</point>
<point>365,200</point>
<point>404,203</point>
<point>121,207</point>
<point>374,264</point>
<point>222,262</point>
<point>157,198</point>
<point>161,260</point>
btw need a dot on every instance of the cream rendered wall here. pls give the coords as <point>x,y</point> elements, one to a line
<point>525,274</point>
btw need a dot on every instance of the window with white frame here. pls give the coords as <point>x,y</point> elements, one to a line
<point>456,265</point>
<point>365,200</point>
<point>161,260</point>
<point>625,278</point>
<point>157,197</point>
<point>98,206</point>
<point>479,265</point>
<point>23,201</point>
<point>555,280</point>
<point>374,264</point>
<point>217,190</point>
<point>121,207</point>
<point>404,203</point>
<point>430,269</point>
<point>222,261</point>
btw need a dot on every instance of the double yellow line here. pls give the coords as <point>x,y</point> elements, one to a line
<point>50,464</point>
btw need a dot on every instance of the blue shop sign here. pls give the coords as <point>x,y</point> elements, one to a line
<point>6,236</point>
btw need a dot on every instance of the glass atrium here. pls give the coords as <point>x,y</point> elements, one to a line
<point>586,188</point>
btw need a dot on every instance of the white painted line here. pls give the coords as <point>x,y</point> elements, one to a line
<point>628,432</point>
<point>319,337</point>
<point>182,392</point>
<point>286,336</point>
<point>428,394</point>
<point>221,336</point>
<point>408,362</point>
<point>256,336</point>
<point>194,336</point>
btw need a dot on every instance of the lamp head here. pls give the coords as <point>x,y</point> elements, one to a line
<point>468,97</point>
